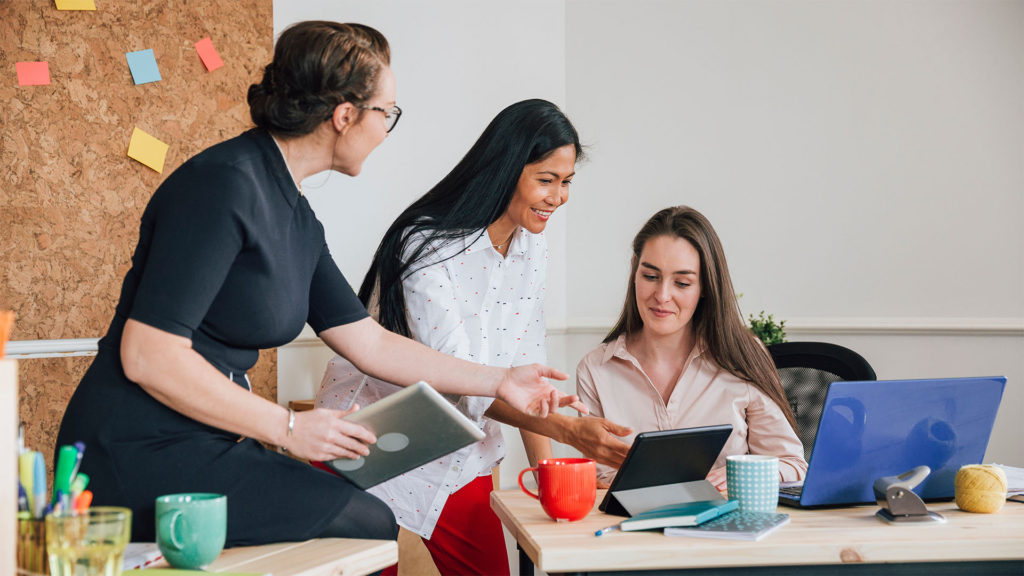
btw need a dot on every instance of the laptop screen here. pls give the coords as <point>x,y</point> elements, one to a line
<point>881,428</point>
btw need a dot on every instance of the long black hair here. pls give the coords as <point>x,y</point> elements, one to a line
<point>472,196</point>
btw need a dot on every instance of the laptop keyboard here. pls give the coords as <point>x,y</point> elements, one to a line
<point>791,490</point>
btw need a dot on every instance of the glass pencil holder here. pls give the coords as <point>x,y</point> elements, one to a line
<point>30,547</point>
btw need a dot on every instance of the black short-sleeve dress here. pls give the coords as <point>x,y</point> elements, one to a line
<point>231,256</point>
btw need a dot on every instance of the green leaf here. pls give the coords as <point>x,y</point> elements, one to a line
<point>767,329</point>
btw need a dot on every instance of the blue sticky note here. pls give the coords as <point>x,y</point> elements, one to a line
<point>143,66</point>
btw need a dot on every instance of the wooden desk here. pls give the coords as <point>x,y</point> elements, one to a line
<point>321,557</point>
<point>814,542</point>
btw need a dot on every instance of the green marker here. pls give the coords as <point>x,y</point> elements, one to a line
<point>66,459</point>
<point>79,484</point>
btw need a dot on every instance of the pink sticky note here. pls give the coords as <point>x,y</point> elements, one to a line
<point>208,54</point>
<point>33,73</point>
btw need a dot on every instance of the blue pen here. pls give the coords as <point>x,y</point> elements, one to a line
<point>22,498</point>
<point>606,530</point>
<point>80,447</point>
<point>63,503</point>
<point>39,500</point>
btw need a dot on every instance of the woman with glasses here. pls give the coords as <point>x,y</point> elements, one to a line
<point>463,270</point>
<point>231,259</point>
<point>680,355</point>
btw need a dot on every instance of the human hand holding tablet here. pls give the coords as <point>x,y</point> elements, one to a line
<point>412,426</point>
<point>665,467</point>
<point>324,434</point>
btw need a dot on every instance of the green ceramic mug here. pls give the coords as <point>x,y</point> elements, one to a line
<point>191,528</point>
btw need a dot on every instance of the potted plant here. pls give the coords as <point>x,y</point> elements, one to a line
<point>767,329</point>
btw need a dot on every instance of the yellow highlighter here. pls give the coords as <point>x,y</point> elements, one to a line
<point>26,464</point>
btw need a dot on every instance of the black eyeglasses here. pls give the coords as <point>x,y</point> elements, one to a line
<point>390,116</point>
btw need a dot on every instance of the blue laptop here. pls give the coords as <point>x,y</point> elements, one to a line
<point>886,427</point>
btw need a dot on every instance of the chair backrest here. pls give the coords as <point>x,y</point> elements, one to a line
<point>806,369</point>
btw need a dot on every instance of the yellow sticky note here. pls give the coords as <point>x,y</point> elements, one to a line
<point>147,149</point>
<point>75,4</point>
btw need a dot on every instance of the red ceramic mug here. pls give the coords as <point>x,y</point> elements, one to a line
<point>567,486</point>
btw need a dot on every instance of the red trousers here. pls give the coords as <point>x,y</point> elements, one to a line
<point>468,538</point>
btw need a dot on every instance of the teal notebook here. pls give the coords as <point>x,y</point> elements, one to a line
<point>687,514</point>
<point>735,526</point>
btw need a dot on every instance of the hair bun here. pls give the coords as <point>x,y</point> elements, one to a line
<point>317,65</point>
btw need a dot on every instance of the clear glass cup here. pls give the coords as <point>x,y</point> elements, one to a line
<point>30,548</point>
<point>88,544</point>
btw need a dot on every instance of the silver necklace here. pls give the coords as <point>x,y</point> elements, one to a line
<point>498,246</point>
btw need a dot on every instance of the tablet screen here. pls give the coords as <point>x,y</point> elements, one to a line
<point>669,457</point>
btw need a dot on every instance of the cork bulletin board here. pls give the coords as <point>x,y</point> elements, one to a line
<point>70,197</point>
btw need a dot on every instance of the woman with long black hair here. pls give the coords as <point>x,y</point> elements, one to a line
<point>462,270</point>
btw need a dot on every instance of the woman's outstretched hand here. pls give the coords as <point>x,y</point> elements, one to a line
<point>323,434</point>
<point>600,439</point>
<point>526,389</point>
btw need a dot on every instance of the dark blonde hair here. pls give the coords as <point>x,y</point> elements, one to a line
<point>717,321</point>
<point>317,65</point>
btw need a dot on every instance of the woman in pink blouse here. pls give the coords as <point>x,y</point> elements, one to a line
<point>680,355</point>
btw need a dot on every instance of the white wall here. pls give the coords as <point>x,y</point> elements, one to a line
<point>858,158</point>
<point>862,161</point>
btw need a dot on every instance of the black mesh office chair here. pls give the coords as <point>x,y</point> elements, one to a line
<point>806,369</point>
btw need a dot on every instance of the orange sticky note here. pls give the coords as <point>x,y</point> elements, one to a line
<point>33,73</point>
<point>6,326</point>
<point>208,54</point>
<point>147,149</point>
<point>75,4</point>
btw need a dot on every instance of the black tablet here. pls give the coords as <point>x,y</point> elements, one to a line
<point>666,457</point>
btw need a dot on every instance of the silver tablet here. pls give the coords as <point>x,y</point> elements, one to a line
<point>413,426</point>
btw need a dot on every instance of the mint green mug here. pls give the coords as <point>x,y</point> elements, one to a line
<point>191,528</point>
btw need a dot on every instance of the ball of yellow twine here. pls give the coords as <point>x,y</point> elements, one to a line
<point>980,488</point>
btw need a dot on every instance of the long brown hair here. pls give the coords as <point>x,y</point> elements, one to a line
<point>717,321</point>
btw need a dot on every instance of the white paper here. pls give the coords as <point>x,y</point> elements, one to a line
<point>140,555</point>
<point>1014,479</point>
<point>640,500</point>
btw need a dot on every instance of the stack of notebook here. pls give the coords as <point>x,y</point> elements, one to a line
<point>686,514</point>
<point>705,519</point>
<point>735,525</point>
